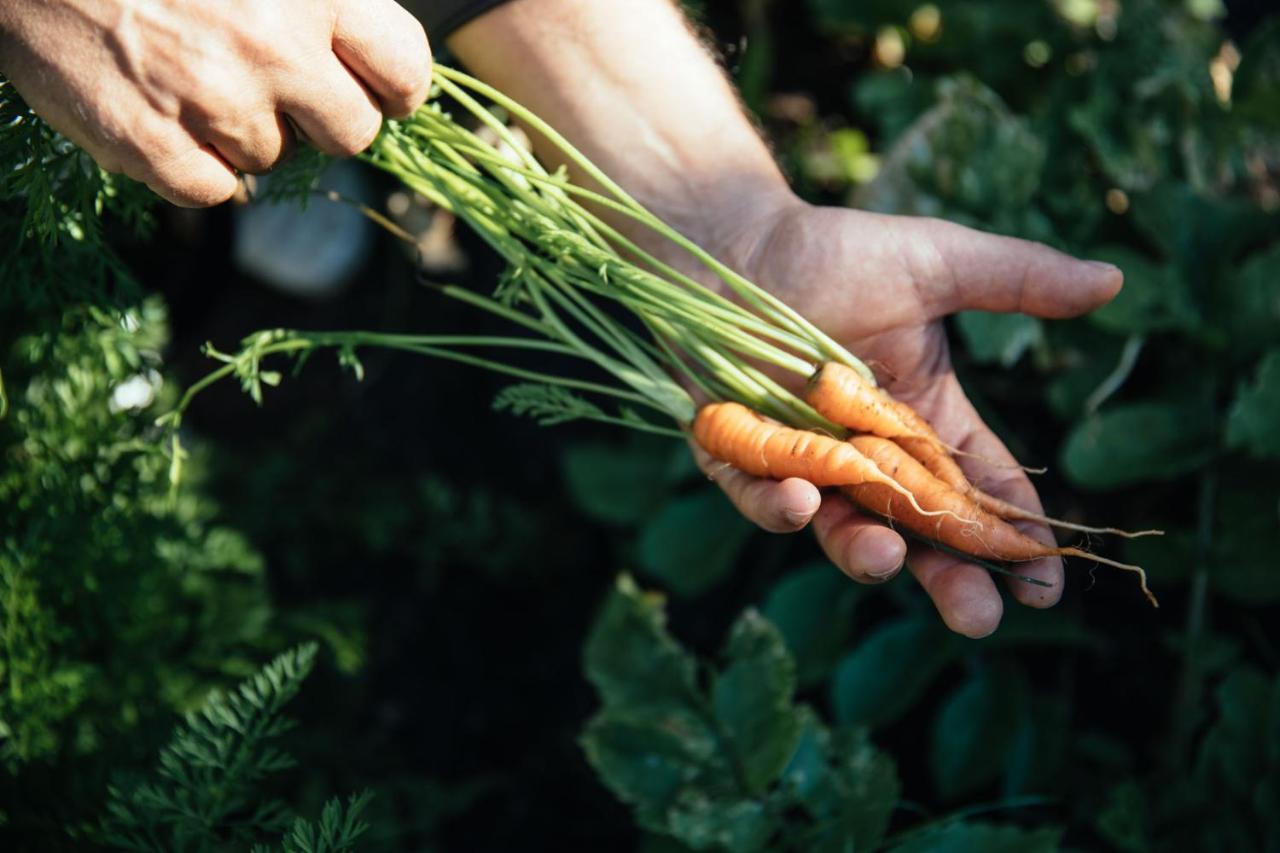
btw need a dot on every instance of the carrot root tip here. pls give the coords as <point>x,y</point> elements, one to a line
<point>1138,570</point>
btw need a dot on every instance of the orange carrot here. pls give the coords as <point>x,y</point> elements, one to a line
<point>842,395</point>
<point>984,535</point>
<point>734,434</point>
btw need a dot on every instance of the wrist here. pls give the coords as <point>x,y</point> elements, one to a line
<point>740,229</point>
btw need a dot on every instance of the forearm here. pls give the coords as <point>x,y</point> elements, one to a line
<point>628,84</point>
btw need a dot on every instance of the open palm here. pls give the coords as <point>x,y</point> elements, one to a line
<point>880,285</point>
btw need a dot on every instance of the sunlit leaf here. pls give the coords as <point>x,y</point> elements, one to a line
<point>632,660</point>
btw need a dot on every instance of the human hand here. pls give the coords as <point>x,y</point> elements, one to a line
<point>880,286</point>
<point>181,94</point>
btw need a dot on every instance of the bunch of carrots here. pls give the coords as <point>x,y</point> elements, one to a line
<point>895,465</point>
<point>567,264</point>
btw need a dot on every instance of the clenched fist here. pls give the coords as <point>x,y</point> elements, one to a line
<point>180,94</point>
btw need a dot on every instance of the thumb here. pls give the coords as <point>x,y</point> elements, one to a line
<point>991,273</point>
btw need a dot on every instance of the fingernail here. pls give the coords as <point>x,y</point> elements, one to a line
<point>796,517</point>
<point>885,574</point>
<point>1103,266</point>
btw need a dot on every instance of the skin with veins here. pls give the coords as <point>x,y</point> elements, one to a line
<point>181,94</point>
<point>629,85</point>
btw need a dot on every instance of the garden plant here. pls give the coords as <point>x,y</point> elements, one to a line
<point>159,553</point>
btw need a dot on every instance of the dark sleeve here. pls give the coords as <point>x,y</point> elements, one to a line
<point>441,17</point>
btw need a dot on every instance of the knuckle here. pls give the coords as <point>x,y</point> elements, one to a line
<point>407,88</point>
<point>195,193</point>
<point>360,133</point>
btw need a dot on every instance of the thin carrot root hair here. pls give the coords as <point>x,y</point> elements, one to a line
<point>1008,511</point>
<point>1138,570</point>
<point>1026,469</point>
<point>936,513</point>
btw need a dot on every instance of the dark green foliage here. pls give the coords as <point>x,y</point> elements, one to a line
<point>867,692</point>
<point>813,608</point>
<point>56,207</point>
<point>837,717</point>
<point>729,760</point>
<point>206,784</point>
<point>207,790</point>
<point>692,542</point>
<point>723,764</point>
<point>1114,145</point>
<point>340,826</point>
<point>93,549</point>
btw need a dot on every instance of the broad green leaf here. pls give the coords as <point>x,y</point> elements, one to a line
<point>706,822</point>
<point>1246,302</point>
<point>974,731</point>
<point>752,699</point>
<point>1155,296</point>
<point>1230,752</point>
<point>885,675</point>
<point>693,542</point>
<point>1254,421</point>
<point>645,764</point>
<point>632,660</point>
<point>1197,232</point>
<point>866,782</point>
<point>1138,442</point>
<point>980,838</point>
<point>701,764</point>
<point>806,775</point>
<point>813,609</point>
<point>845,784</point>
<point>967,158</point>
<point>621,483</point>
<point>998,338</point>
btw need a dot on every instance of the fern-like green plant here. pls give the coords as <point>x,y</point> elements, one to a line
<point>339,827</point>
<point>204,793</point>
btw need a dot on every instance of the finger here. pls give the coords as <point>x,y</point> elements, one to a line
<point>778,507</point>
<point>334,112</point>
<point>387,47</point>
<point>987,272</point>
<point>189,175</point>
<point>966,598</point>
<point>257,146</point>
<point>862,548</point>
<point>994,470</point>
